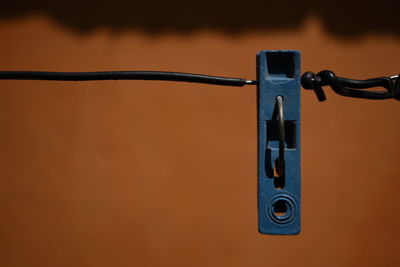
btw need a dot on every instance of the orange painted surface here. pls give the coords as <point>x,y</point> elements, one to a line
<point>133,173</point>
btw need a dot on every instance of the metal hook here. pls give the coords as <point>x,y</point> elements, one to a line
<point>280,161</point>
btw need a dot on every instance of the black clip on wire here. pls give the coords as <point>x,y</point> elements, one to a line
<point>350,87</point>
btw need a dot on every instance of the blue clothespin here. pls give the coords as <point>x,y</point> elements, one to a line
<point>279,176</point>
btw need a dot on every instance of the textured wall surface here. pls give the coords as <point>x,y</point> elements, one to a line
<point>133,173</point>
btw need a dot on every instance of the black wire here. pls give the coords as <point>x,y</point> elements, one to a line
<point>351,87</point>
<point>124,75</point>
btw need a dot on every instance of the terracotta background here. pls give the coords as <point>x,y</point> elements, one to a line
<point>131,173</point>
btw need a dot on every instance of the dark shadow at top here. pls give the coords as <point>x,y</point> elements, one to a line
<point>342,18</point>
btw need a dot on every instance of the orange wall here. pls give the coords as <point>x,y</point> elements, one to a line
<point>133,173</point>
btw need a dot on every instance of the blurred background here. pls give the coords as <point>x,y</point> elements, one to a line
<point>133,173</point>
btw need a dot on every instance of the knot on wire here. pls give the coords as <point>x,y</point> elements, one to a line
<point>351,87</point>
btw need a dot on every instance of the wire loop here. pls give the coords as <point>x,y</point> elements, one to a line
<point>280,161</point>
<point>350,87</point>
